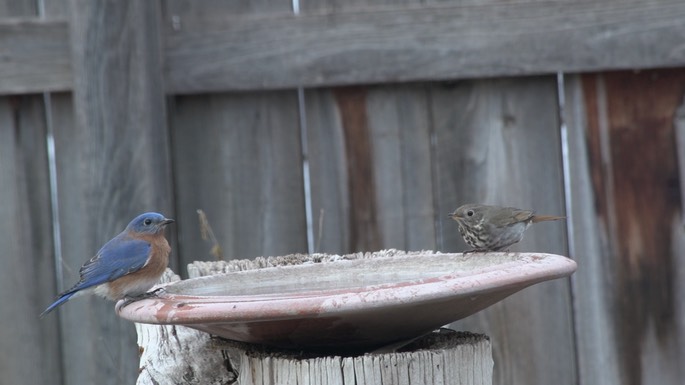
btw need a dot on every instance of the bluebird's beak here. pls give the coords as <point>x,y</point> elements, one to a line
<point>166,221</point>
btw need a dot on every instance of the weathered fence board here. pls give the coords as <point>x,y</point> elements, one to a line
<point>634,291</point>
<point>18,8</point>
<point>328,174</point>
<point>597,361</point>
<point>29,346</point>
<point>35,56</point>
<point>399,122</point>
<point>371,169</point>
<point>217,52</point>
<point>498,142</point>
<point>247,144</point>
<point>212,46</point>
<point>238,158</point>
<point>54,9</point>
<point>112,164</point>
<point>332,6</point>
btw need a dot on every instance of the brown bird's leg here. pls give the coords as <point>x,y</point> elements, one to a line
<point>474,251</point>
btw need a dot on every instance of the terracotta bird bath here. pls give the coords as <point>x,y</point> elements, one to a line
<point>347,304</point>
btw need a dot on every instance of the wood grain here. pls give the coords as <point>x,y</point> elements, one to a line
<point>420,42</point>
<point>597,362</point>
<point>371,168</point>
<point>30,346</point>
<point>238,158</point>
<point>401,159</point>
<point>497,142</point>
<point>246,145</point>
<point>466,357</point>
<point>364,234</point>
<point>17,8</point>
<point>632,157</point>
<point>35,56</point>
<point>112,164</point>
<point>328,174</point>
<point>216,47</point>
<point>27,279</point>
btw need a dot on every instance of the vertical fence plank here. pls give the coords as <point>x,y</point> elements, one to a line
<point>631,286</point>
<point>497,142</point>
<point>29,345</point>
<point>330,201</point>
<point>56,9</point>
<point>371,168</point>
<point>597,359</point>
<point>401,158</point>
<point>113,163</point>
<point>371,162</point>
<point>238,158</point>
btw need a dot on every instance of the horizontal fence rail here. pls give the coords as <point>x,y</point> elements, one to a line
<point>207,52</point>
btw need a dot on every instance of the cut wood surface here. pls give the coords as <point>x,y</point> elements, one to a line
<point>176,353</point>
<point>447,358</point>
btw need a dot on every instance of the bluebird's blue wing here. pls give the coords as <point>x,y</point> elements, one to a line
<point>118,257</point>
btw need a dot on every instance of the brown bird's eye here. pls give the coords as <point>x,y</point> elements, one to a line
<point>469,213</point>
<point>148,222</point>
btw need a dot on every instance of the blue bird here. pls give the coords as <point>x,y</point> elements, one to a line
<point>128,265</point>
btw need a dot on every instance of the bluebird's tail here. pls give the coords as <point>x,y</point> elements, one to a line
<point>62,299</point>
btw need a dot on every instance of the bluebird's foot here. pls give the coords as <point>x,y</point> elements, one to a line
<point>150,294</point>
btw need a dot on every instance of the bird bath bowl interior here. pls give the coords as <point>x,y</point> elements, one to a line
<point>353,305</point>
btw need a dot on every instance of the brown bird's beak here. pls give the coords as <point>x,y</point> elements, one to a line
<point>452,215</point>
<point>166,221</point>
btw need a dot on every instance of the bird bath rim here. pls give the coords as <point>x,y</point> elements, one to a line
<point>486,274</point>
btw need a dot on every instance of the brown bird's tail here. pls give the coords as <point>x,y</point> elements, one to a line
<point>542,218</point>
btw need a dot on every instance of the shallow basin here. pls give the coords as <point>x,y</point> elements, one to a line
<point>357,304</point>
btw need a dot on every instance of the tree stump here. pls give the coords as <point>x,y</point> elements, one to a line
<point>177,354</point>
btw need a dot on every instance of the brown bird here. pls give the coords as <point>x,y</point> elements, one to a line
<point>492,228</point>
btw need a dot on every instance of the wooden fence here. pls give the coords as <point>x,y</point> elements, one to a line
<point>347,126</point>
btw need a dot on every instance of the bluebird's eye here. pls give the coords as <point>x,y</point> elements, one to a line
<point>469,213</point>
<point>147,222</point>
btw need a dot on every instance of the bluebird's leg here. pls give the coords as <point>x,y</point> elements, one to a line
<point>150,294</point>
